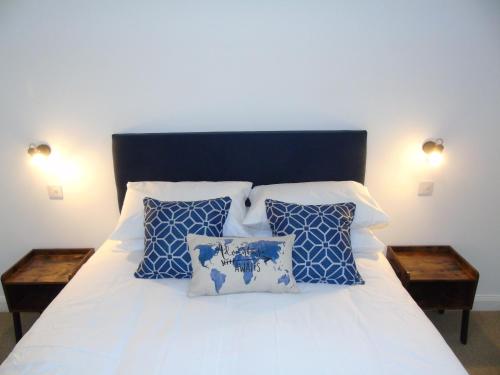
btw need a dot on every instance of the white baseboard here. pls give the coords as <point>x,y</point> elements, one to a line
<point>3,304</point>
<point>487,302</point>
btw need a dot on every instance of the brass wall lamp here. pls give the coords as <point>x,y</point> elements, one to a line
<point>42,149</point>
<point>433,149</point>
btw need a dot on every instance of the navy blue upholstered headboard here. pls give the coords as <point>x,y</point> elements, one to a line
<point>260,157</point>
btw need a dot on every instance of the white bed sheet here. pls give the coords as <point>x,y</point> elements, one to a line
<point>107,322</point>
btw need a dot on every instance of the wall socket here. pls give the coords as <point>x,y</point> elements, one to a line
<point>55,192</point>
<point>425,189</point>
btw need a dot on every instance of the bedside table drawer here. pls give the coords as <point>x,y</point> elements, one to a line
<point>30,298</point>
<point>443,294</point>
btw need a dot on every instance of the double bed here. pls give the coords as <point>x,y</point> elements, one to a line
<point>106,321</point>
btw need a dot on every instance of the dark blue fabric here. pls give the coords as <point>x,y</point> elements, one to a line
<point>166,225</point>
<point>260,157</point>
<point>322,251</point>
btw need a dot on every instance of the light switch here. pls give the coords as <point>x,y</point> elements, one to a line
<point>425,188</point>
<point>55,192</point>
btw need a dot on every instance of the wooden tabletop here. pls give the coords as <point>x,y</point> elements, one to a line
<point>46,266</point>
<point>423,263</point>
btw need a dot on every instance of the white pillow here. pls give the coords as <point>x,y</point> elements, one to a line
<point>363,241</point>
<point>131,222</point>
<point>239,265</point>
<point>368,212</point>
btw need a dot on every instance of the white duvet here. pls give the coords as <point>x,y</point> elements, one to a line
<point>107,322</point>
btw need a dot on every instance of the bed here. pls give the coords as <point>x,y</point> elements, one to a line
<point>108,322</point>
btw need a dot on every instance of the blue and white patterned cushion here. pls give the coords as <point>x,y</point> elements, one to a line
<point>322,252</point>
<point>166,225</point>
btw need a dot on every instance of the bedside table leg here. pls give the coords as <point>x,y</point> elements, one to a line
<point>465,326</point>
<point>18,331</point>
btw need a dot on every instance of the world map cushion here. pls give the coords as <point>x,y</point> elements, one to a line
<point>166,225</point>
<point>237,265</point>
<point>322,251</point>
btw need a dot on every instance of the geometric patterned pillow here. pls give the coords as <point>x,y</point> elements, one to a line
<point>322,251</point>
<point>166,225</point>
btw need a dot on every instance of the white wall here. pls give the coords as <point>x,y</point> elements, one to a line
<point>74,72</point>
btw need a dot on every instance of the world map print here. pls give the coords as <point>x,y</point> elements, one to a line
<point>218,278</point>
<point>246,258</point>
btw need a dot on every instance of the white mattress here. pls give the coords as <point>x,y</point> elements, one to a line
<point>107,322</point>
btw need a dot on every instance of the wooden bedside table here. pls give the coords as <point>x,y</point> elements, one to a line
<point>33,282</point>
<point>437,278</point>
